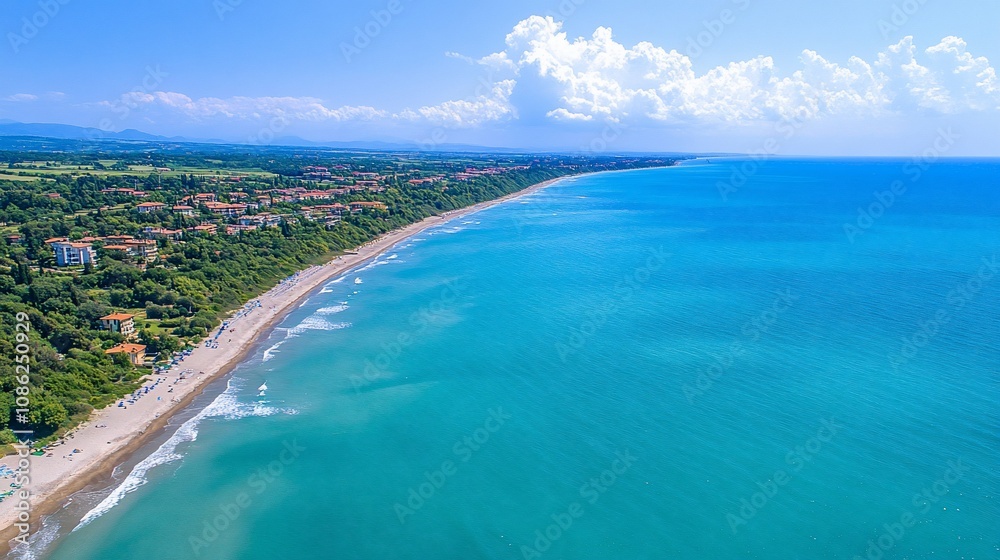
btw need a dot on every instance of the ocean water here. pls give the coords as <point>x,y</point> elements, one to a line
<point>714,361</point>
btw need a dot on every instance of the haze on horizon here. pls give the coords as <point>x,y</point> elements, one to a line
<point>857,77</point>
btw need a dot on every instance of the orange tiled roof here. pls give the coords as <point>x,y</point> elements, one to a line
<point>126,348</point>
<point>117,317</point>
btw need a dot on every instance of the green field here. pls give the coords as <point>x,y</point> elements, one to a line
<point>35,169</point>
<point>6,177</point>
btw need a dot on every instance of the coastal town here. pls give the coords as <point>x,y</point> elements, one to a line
<point>123,257</point>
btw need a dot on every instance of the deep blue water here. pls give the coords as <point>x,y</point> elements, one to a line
<point>632,363</point>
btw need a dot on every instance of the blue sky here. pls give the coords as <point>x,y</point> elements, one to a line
<point>853,77</point>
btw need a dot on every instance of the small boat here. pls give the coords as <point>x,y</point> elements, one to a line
<point>261,389</point>
<point>357,280</point>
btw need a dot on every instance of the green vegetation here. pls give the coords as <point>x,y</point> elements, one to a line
<point>295,211</point>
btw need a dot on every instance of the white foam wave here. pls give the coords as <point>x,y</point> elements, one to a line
<point>373,264</point>
<point>270,352</point>
<point>328,287</point>
<point>38,542</point>
<point>392,257</point>
<point>448,229</point>
<point>227,406</point>
<point>304,302</point>
<point>332,309</point>
<point>315,323</point>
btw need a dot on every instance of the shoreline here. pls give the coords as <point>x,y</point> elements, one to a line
<point>55,479</point>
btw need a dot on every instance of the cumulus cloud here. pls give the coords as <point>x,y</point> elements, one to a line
<point>598,77</point>
<point>492,107</point>
<point>543,73</point>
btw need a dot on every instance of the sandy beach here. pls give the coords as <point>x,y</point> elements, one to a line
<point>109,436</point>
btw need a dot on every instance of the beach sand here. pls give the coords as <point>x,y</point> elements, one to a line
<point>110,435</point>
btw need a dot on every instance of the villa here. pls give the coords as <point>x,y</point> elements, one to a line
<point>223,209</point>
<point>120,323</point>
<point>148,207</point>
<point>136,352</point>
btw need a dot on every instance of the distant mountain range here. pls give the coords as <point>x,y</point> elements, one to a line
<point>69,132</point>
<point>9,130</point>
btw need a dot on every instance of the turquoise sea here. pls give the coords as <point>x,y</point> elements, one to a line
<point>721,360</point>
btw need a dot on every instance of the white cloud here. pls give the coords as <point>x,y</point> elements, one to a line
<point>494,106</point>
<point>21,97</point>
<point>973,82</point>
<point>292,108</point>
<point>598,77</point>
<point>545,74</point>
<point>460,56</point>
<point>29,97</point>
<point>465,113</point>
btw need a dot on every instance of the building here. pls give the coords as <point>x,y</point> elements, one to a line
<point>236,229</point>
<point>263,220</point>
<point>370,205</point>
<point>136,352</point>
<point>162,233</point>
<point>128,192</point>
<point>120,323</point>
<point>183,210</point>
<point>69,253</point>
<point>334,209</point>
<point>223,209</point>
<point>315,195</point>
<point>147,207</point>
<point>207,229</point>
<point>145,248</point>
